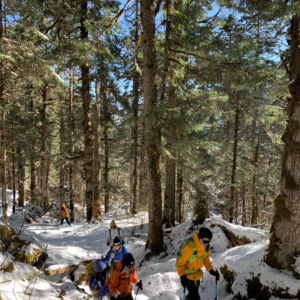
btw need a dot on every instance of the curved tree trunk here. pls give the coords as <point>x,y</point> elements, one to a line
<point>285,231</point>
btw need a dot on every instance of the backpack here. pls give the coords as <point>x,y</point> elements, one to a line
<point>195,253</point>
<point>193,257</point>
<point>69,209</point>
<point>118,233</point>
<point>89,268</point>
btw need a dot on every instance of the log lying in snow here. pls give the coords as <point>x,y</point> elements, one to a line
<point>63,268</point>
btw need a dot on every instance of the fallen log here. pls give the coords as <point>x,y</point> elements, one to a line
<point>63,268</point>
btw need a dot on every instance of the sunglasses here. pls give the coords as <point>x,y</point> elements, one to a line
<point>206,242</point>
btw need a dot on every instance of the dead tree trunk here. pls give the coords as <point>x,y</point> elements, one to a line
<point>88,141</point>
<point>152,139</point>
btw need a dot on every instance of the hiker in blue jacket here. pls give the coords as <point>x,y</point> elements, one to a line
<point>98,279</point>
<point>115,253</point>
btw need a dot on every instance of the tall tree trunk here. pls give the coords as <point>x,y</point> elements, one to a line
<point>72,132</point>
<point>267,183</point>
<point>48,172</point>
<point>152,139</point>
<point>21,176</point>
<point>3,135</point>
<point>88,141</point>
<point>44,150</point>
<point>233,174</point>
<point>170,163</point>
<point>62,162</point>
<point>33,194</point>
<point>13,158</point>
<point>106,170</point>
<point>179,192</point>
<point>284,244</point>
<point>142,172</point>
<point>135,108</point>
<point>201,209</point>
<point>254,218</point>
<point>97,153</point>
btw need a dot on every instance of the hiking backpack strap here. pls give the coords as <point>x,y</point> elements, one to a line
<point>192,259</point>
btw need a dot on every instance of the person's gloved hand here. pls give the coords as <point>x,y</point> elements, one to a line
<point>184,280</point>
<point>108,243</point>
<point>123,242</point>
<point>140,285</point>
<point>215,273</point>
<point>120,297</point>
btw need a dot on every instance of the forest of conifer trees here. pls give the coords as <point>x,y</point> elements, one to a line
<point>169,105</point>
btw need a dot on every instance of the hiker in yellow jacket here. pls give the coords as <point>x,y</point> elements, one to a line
<point>194,255</point>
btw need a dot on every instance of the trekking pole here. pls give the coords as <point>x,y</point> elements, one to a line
<point>217,278</point>
<point>137,290</point>
<point>184,293</point>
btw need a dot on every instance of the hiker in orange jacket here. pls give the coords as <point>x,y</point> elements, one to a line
<point>64,214</point>
<point>121,279</point>
<point>190,263</point>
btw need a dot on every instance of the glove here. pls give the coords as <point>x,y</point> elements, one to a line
<point>123,242</point>
<point>120,297</point>
<point>215,273</point>
<point>108,243</point>
<point>184,280</point>
<point>140,285</point>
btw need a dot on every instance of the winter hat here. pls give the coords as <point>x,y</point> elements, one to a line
<point>117,241</point>
<point>99,266</point>
<point>205,233</point>
<point>128,260</point>
<point>113,224</point>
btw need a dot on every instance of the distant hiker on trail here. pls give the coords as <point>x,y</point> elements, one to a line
<point>113,232</point>
<point>121,279</point>
<point>97,278</point>
<point>116,253</point>
<point>193,253</point>
<point>64,214</point>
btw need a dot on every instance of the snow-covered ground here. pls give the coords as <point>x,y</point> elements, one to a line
<point>70,245</point>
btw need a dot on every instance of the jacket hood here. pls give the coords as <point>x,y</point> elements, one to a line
<point>63,205</point>
<point>99,266</point>
<point>118,267</point>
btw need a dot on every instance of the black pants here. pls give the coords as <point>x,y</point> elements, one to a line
<point>129,297</point>
<point>67,219</point>
<point>193,290</point>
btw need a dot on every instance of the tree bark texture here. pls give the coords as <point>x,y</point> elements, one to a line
<point>170,195</point>
<point>97,153</point>
<point>152,139</point>
<point>285,230</point>
<point>44,192</point>
<point>201,209</point>
<point>13,159</point>
<point>33,191</point>
<point>62,162</point>
<point>3,134</point>
<point>179,193</point>
<point>254,217</point>
<point>21,176</point>
<point>86,100</point>
<point>233,174</point>
<point>135,108</point>
<point>72,132</point>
